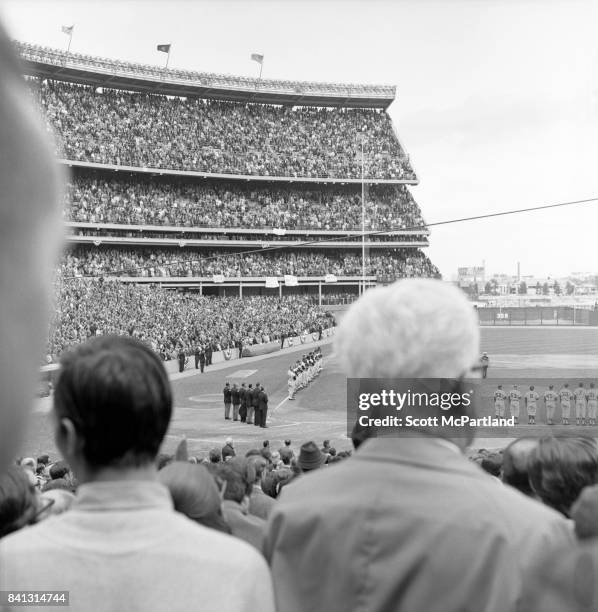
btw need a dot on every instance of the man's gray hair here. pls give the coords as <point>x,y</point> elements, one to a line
<point>412,328</point>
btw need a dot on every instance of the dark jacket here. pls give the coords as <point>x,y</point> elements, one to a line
<point>227,394</point>
<point>262,400</point>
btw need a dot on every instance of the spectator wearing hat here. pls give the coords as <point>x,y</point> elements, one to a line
<point>123,523</point>
<point>228,450</point>
<point>398,498</point>
<point>310,457</point>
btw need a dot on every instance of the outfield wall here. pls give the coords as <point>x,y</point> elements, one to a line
<point>537,315</point>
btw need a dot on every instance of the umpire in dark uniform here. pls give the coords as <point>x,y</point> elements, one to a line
<point>196,353</point>
<point>202,358</point>
<point>263,407</point>
<point>209,354</point>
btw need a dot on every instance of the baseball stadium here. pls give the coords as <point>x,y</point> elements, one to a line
<point>236,216</point>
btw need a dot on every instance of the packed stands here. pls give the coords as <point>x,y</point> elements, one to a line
<point>140,200</point>
<point>169,320</point>
<point>155,131</point>
<point>149,262</point>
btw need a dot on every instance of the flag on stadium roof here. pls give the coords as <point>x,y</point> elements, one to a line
<point>164,48</point>
<point>256,57</point>
<point>67,29</point>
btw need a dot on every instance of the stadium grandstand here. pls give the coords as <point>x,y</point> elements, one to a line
<point>223,186</point>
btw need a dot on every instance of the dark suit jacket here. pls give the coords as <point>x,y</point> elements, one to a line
<point>254,397</point>
<point>418,528</point>
<point>262,400</point>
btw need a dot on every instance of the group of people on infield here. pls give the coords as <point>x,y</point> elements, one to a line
<point>303,371</point>
<point>249,404</point>
<point>584,400</point>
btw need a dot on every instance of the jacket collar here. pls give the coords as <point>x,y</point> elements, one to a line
<point>123,495</point>
<point>424,452</point>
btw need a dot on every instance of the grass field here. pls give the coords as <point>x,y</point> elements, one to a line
<point>319,412</point>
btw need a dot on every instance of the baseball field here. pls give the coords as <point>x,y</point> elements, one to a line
<point>524,355</point>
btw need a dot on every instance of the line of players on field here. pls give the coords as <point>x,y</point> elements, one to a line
<point>303,371</point>
<point>584,400</point>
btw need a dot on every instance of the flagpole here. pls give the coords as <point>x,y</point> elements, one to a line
<point>68,49</point>
<point>168,57</point>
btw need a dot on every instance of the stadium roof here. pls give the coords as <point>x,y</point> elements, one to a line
<point>51,63</point>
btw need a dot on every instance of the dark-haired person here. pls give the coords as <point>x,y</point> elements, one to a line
<point>122,546</point>
<point>19,501</point>
<point>515,461</point>
<point>31,233</point>
<point>560,468</point>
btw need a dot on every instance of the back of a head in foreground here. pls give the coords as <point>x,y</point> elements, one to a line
<point>515,464</point>
<point>194,494</point>
<point>414,328</point>
<point>560,468</point>
<point>30,236</point>
<point>116,393</point>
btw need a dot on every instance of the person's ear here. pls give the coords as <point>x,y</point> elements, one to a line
<point>67,438</point>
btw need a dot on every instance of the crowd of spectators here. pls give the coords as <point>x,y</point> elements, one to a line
<point>164,262</point>
<point>155,131</point>
<point>138,200</point>
<point>34,489</point>
<point>170,321</point>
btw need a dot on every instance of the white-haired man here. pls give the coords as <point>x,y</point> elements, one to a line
<point>418,526</point>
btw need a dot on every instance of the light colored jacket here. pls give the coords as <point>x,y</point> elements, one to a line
<point>405,524</point>
<point>123,547</point>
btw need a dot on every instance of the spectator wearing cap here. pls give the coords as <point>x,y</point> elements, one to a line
<point>398,498</point>
<point>236,485</point>
<point>194,494</point>
<point>228,450</point>
<point>310,457</point>
<point>123,523</point>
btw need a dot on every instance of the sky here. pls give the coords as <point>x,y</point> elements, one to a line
<point>497,100</point>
